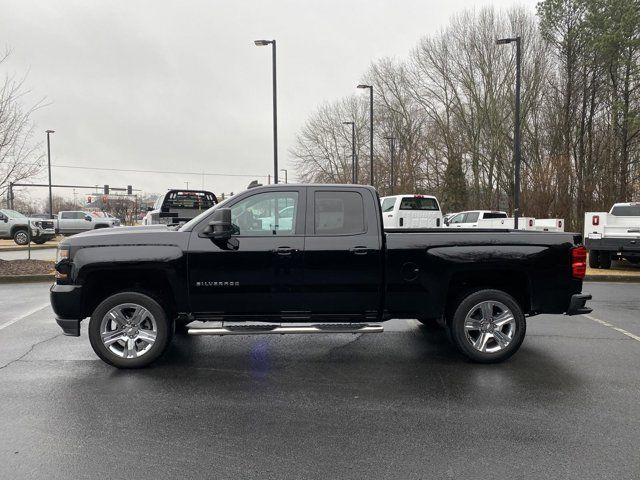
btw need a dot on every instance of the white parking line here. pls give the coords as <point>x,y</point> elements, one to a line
<point>29,313</point>
<point>607,324</point>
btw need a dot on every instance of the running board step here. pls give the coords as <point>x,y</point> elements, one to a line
<point>280,330</point>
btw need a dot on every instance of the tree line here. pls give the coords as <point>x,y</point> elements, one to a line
<point>450,105</point>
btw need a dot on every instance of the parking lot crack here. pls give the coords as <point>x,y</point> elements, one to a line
<point>30,350</point>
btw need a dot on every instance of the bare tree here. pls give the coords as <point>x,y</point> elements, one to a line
<point>19,157</point>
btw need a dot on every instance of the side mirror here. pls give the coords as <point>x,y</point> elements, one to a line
<point>220,228</point>
<point>446,222</point>
<point>87,218</point>
<point>149,209</point>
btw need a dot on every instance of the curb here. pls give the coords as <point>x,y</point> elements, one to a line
<point>612,278</point>
<point>24,249</point>
<point>43,277</point>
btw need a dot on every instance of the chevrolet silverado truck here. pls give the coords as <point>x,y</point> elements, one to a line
<point>327,267</point>
<point>16,226</point>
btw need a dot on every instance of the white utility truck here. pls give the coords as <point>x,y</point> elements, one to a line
<point>614,235</point>
<point>411,211</point>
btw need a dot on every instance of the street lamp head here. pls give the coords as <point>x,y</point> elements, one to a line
<point>347,123</point>
<point>364,86</point>
<point>50,131</point>
<point>503,41</point>
<point>262,43</point>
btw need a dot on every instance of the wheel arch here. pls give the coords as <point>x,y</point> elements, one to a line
<point>102,283</point>
<point>513,282</point>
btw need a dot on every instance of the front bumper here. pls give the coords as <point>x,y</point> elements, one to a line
<point>577,304</point>
<point>66,301</point>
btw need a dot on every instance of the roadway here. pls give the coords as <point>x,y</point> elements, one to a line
<point>401,404</point>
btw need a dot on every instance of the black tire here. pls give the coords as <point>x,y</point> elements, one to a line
<point>102,225</point>
<point>594,259</point>
<point>492,352</point>
<point>39,241</point>
<point>21,236</point>
<point>163,330</point>
<point>605,260</point>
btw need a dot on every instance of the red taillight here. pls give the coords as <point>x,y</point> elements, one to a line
<point>578,262</point>
<point>559,223</point>
<point>595,220</point>
<point>531,222</point>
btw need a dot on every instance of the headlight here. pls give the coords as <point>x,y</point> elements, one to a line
<point>62,253</point>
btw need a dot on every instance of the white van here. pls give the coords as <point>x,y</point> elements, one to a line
<point>470,219</point>
<point>411,211</point>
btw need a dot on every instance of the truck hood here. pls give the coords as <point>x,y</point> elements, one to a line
<point>128,236</point>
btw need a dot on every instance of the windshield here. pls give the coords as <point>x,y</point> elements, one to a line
<point>195,220</point>
<point>626,211</point>
<point>13,214</point>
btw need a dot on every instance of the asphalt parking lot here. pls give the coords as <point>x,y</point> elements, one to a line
<point>401,404</point>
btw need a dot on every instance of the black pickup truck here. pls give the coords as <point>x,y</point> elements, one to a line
<point>309,259</point>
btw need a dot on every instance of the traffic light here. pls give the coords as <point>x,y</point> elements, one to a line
<point>106,189</point>
<point>129,190</point>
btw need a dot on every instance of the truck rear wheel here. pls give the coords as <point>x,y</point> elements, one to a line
<point>488,326</point>
<point>594,259</point>
<point>129,330</point>
<point>605,260</point>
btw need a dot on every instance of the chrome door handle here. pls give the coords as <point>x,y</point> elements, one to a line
<point>285,251</point>
<point>359,250</point>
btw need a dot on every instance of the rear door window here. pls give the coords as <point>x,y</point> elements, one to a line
<point>338,213</point>
<point>472,217</point>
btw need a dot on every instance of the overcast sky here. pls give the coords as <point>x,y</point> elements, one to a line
<point>163,85</point>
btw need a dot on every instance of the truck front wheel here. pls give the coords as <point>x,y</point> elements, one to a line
<point>594,259</point>
<point>488,326</point>
<point>129,330</point>
<point>21,237</point>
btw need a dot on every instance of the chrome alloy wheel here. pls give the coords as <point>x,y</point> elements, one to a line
<point>128,330</point>
<point>489,326</point>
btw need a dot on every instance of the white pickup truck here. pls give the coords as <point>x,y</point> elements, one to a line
<point>613,235</point>
<point>72,222</point>
<point>411,211</point>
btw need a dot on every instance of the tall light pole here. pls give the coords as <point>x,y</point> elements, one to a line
<point>286,180</point>
<point>392,146</point>
<point>49,132</point>
<point>370,87</point>
<point>516,133</point>
<point>354,172</point>
<point>263,43</point>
